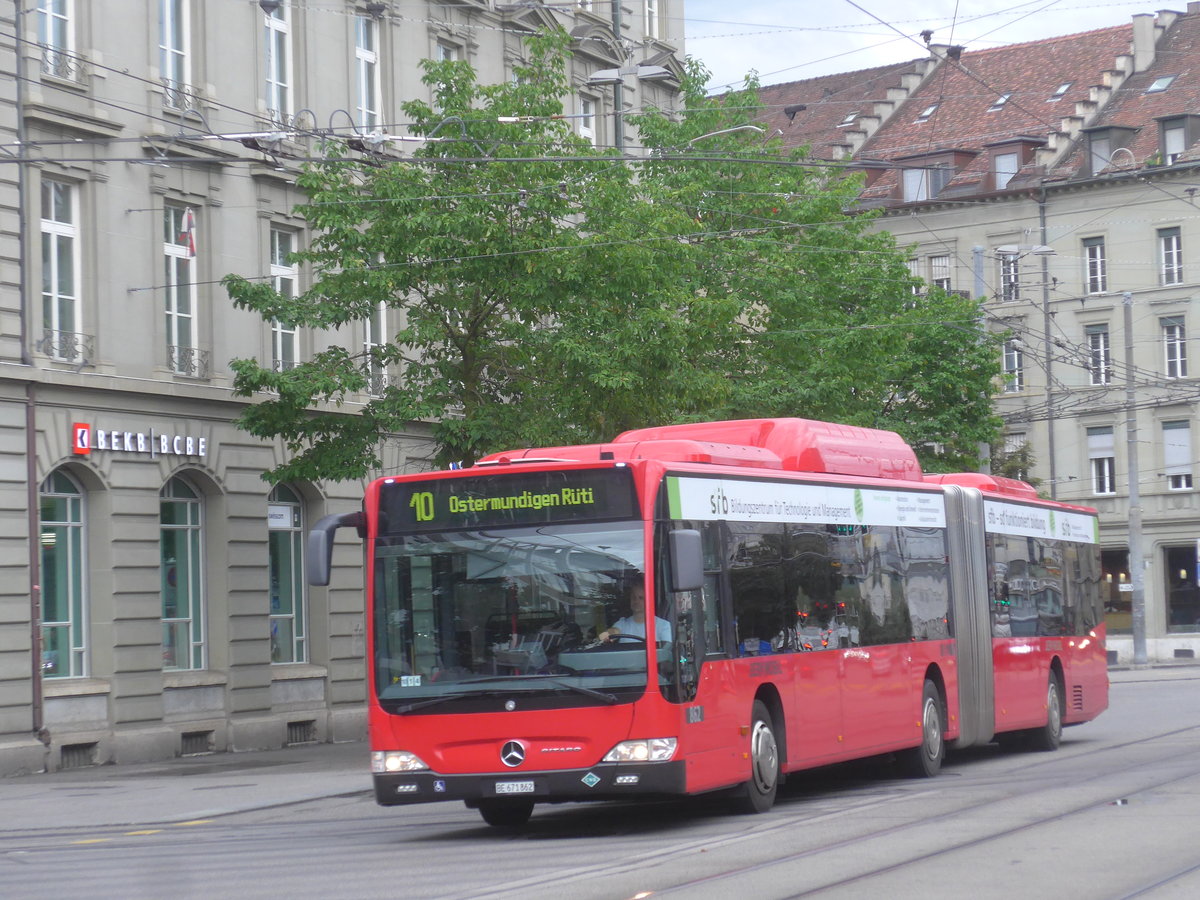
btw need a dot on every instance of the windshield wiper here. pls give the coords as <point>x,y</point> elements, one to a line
<point>604,697</point>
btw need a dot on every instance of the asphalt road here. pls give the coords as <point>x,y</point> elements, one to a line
<point>1114,813</point>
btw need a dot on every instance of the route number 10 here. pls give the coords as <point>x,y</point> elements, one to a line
<point>422,502</point>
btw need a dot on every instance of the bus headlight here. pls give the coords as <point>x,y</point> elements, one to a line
<point>648,750</point>
<point>384,762</point>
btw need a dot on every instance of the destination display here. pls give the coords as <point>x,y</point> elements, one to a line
<point>1039,522</point>
<point>736,500</point>
<point>525,498</point>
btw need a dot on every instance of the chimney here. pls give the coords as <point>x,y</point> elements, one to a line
<point>1143,41</point>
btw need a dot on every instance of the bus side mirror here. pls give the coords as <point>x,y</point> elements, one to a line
<point>319,559</point>
<point>687,559</point>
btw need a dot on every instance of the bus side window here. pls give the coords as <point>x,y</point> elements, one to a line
<point>714,640</point>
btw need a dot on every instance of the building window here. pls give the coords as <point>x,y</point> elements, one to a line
<point>918,282</point>
<point>181,553</point>
<point>1010,277</point>
<point>1170,255</point>
<point>1004,167</point>
<point>56,34</point>
<point>1174,347</point>
<point>999,102</point>
<point>587,120</point>
<point>285,551</point>
<point>1015,443</point>
<point>940,272</point>
<point>1174,141</point>
<point>278,35</point>
<point>1014,366</point>
<point>60,267</point>
<point>1102,459</point>
<point>652,23</point>
<point>848,119</point>
<point>925,184</point>
<point>179,289</point>
<point>374,339</point>
<point>1177,455</point>
<point>64,622</point>
<point>1096,274</point>
<point>1059,92</point>
<point>446,52</point>
<point>283,278</point>
<point>366,60</point>
<point>927,112</point>
<point>1099,153</point>
<point>1161,84</point>
<point>173,52</point>
<point>1099,354</point>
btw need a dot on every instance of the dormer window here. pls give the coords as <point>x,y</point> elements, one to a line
<point>925,184</point>
<point>1160,84</point>
<point>1175,135</point>
<point>1060,91</point>
<point>1103,143</point>
<point>927,112</point>
<point>999,102</point>
<point>849,120</point>
<point>1004,167</point>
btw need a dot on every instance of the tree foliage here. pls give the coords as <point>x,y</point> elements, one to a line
<point>548,292</point>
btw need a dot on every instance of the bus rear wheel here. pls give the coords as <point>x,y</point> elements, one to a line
<point>758,794</point>
<point>1049,736</point>
<point>506,813</point>
<point>925,761</point>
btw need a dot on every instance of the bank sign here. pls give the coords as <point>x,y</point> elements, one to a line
<point>85,439</point>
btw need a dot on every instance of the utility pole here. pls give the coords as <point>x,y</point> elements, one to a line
<point>1137,565</point>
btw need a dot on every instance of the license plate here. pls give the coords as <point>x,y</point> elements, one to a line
<point>514,787</point>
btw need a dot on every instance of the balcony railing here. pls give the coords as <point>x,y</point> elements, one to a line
<point>191,362</point>
<point>378,383</point>
<point>68,346</point>
<point>179,96</point>
<point>283,365</point>
<point>62,65</point>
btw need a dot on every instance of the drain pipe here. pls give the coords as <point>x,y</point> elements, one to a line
<point>37,704</point>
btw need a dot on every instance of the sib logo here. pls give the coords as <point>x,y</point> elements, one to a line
<point>81,440</point>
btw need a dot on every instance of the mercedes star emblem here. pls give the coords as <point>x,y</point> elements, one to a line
<point>512,754</point>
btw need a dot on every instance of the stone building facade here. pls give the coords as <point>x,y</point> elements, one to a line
<point>153,600</point>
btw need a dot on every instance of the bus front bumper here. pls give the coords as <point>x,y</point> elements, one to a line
<point>607,781</point>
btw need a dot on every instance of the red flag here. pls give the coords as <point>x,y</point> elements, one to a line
<point>187,234</point>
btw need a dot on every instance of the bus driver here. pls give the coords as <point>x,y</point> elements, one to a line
<point>634,624</point>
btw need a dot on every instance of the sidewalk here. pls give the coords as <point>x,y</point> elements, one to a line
<point>199,787</point>
<point>180,790</point>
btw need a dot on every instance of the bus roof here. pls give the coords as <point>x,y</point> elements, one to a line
<point>794,445</point>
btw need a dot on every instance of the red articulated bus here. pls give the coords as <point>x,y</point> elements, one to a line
<point>711,606</point>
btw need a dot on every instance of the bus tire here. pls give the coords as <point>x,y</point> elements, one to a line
<point>925,761</point>
<point>1049,736</point>
<point>506,813</point>
<point>758,794</point>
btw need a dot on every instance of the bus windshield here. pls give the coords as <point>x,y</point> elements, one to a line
<point>470,613</point>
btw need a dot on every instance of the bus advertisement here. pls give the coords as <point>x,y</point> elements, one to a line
<point>707,607</point>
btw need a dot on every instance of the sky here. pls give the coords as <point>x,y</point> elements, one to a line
<point>790,40</point>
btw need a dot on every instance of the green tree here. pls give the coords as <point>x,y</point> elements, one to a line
<point>832,327</point>
<point>539,291</point>
<point>552,293</point>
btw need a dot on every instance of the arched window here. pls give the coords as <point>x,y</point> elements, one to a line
<point>285,551</point>
<point>64,621</point>
<point>180,544</point>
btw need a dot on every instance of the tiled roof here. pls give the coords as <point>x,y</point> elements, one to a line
<point>824,125</point>
<point>967,116</point>
<point>1177,54</point>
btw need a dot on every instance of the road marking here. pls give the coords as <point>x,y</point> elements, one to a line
<point>148,831</point>
<point>92,841</point>
<point>193,822</point>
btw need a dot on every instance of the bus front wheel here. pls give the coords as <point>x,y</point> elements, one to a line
<point>758,794</point>
<point>506,813</point>
<point>925,761</point>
